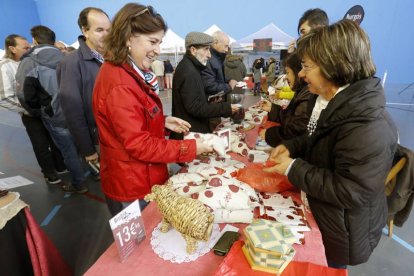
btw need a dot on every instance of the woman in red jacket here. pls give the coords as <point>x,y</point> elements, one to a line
<point>128,111</point>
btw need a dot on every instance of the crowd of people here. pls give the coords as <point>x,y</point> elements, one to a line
<point>100,103</point>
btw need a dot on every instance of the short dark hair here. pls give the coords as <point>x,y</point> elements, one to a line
<point>132,19</point>
<point>342,51</point>
<point>295,63</point>
<point>315,17</point>
<point>43,35</point>
<point>10,41</point>
<point>83,17</point>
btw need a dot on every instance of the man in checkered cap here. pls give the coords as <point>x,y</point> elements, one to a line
<point>189,100</point>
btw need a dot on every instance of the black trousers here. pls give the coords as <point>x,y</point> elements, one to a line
<point>47,154</point>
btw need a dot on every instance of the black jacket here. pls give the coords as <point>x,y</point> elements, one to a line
<point>294,119</point>
<point>342,167</point>
<point>189,101</point>
<point>213,75</point>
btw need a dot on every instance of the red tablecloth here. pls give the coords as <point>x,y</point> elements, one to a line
<point>236,264</point>
<point>145,262</point>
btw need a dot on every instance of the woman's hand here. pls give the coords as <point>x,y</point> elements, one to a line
<point>281,166</point>
<point>203,147</point>
<point>278,153</point>
<point>177,125</point>
<point>281,156</point>
<point>266,105</point>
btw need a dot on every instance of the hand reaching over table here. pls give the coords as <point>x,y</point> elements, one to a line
<point>281,156</point>
<point>279,151</point>
<point>266,105</point>
<point>177,125</point>
<point>281,166</point>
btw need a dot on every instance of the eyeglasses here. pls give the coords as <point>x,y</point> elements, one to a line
<point>307,68</point>
<point>141,12</point>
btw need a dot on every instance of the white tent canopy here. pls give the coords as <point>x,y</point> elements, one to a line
<point>214,28</point>
<point>172,43</point>
<point>64,43</point>
<point>280,39</point>
<point>75,44</point>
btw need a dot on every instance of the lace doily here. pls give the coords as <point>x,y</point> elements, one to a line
<point>171,246</point>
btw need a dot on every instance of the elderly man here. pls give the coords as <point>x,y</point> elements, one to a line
<point>213,75</point>
<point>215,82</point>
<point>189,100</point>
<point>77,74</point>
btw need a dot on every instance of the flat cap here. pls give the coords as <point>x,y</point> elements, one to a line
<point>197,38</point>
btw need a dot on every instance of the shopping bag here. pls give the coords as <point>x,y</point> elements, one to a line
<point>262,181</point>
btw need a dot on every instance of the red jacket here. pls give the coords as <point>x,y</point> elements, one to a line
<point>130,120</point>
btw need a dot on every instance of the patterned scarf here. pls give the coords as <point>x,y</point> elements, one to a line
<point>149,77</point>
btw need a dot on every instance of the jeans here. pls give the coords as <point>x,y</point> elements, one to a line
<point>63,140</point>
<point>47,154</point>
<point>117,206</point>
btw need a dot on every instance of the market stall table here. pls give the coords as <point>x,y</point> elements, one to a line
<point>143,261</point>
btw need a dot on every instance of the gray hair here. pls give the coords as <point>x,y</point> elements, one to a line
<point>219,36</point>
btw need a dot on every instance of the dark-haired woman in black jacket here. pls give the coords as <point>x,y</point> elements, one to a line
<point>295,117</point>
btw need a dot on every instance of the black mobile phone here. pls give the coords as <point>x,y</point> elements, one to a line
<point>223,245</point>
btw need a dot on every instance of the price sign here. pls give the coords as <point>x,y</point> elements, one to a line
<point>128,230</point>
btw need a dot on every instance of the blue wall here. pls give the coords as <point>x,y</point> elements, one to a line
<point>386,22</point>
<point>17,17</point>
